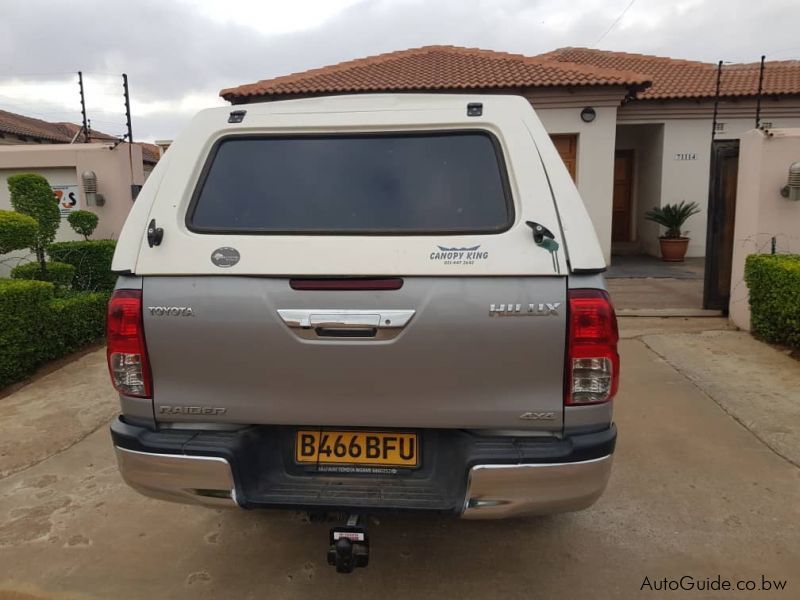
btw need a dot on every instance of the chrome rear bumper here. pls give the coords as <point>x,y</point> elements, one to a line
<point>179,478</point>
<point>493,491</point>
<point>503,491</point>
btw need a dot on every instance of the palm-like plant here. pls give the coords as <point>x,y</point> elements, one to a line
<point>673,216</point>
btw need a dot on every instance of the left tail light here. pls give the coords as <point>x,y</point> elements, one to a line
<point>127,352</point>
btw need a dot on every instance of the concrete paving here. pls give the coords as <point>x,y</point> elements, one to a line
<point>693,492</point>
<point>652,293</point>
<point>640,265</point>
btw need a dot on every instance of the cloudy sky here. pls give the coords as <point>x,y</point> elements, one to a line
<point>178,54</point>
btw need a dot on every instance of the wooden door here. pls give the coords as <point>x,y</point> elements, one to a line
<point>621,230</point>
<point>721,218</point>
<point>567,147</point>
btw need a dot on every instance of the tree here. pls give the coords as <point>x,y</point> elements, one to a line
<point>31,195</point>
<point>83,222</point>
<point>17,231</point>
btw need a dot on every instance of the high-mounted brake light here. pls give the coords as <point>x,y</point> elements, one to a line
<point>127,353</point>
<point>592,359</point>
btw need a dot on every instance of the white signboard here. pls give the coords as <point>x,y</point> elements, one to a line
<point>685,156</point>
<point>67,198</point>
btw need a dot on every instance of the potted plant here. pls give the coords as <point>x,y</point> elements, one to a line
<point>672,217</point>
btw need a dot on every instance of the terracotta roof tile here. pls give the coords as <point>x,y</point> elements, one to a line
<point>673,78</point>
<point>61,133</point>
<point>435,68</point>
<point>35,128</point>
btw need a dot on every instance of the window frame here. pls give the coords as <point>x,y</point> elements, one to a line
<point>498,152</point>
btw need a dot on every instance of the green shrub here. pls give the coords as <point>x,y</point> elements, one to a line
<point>92,262</point>
<point>58,273</point>
<point>774,284</point>
<point>17,231</point>
<point>83,222</point>
<point>31,195</point>
<point>22,329</point>
<point>76,321</point>
<point>35,326</point>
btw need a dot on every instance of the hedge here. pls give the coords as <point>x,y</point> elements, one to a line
<point>774,284</point>
<point>35,326</point>
<point>92,262</point>
<point>61,274</point>
<point>21,327</point>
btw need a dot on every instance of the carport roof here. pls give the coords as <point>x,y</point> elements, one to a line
<point>435,68</point>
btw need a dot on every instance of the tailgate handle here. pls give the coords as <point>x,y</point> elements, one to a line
<point>350,323</point>
<point>345,321</point>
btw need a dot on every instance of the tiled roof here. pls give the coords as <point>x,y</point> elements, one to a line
<point>674,78</point>
<point>28,126</point>
<point>435,68</point>
<point>61,133</point>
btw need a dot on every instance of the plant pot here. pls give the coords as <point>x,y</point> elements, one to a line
<point>673,249</point>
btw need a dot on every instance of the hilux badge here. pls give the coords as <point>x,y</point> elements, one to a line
<point>541,309</point>
<point>225,257</point>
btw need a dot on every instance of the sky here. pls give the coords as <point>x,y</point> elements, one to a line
<point>178,54</point>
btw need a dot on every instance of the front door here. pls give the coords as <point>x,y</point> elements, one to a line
<point>621,230</point>
<point>721,217</point>
<point>567,148</point>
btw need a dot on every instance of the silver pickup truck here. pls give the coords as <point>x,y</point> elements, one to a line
<point>360,304</point>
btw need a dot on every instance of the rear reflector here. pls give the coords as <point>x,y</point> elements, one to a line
<point>389,283</point>
<point>592,359</point>
<point>126,352</point>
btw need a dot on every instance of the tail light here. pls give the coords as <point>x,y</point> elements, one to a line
<point>592,359</point>
<point>127,353</point>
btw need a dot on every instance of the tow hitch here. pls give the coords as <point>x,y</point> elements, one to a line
<point>349,545</point>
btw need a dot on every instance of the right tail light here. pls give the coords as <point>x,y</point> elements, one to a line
<point>592,369</point>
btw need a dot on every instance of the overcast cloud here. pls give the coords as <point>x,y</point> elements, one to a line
<point>179,54</point>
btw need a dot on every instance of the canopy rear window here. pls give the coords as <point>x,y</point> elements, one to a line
<point>420,183</point>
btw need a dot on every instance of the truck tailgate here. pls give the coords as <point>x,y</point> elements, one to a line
<point>233,358</point>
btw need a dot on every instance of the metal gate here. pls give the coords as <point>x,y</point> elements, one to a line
<point>721,218</point>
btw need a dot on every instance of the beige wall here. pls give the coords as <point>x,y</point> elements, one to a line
<point>62,164</point>
<point>761,211</point>
<point>595,168</point>
<point>687,130</point>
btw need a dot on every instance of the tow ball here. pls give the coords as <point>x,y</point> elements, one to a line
<point>349,545</point>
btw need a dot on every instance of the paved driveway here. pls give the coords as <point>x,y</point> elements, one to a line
<point>693,492</point>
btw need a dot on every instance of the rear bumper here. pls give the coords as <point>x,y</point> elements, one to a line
<point>476,477</point>
<point>503,491</point>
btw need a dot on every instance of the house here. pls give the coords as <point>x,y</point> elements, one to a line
<point>19,129</point>
<point>99,175</point>
<point>635,131</point>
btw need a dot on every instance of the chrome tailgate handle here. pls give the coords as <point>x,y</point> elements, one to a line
<point>344,320</point>
<point>331,319</point>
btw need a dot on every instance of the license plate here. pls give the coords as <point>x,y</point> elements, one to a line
<point>357,448</point>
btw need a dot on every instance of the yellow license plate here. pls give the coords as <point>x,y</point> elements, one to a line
<point>357,448</point>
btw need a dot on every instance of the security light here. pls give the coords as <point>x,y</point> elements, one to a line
<point>792,188</point>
